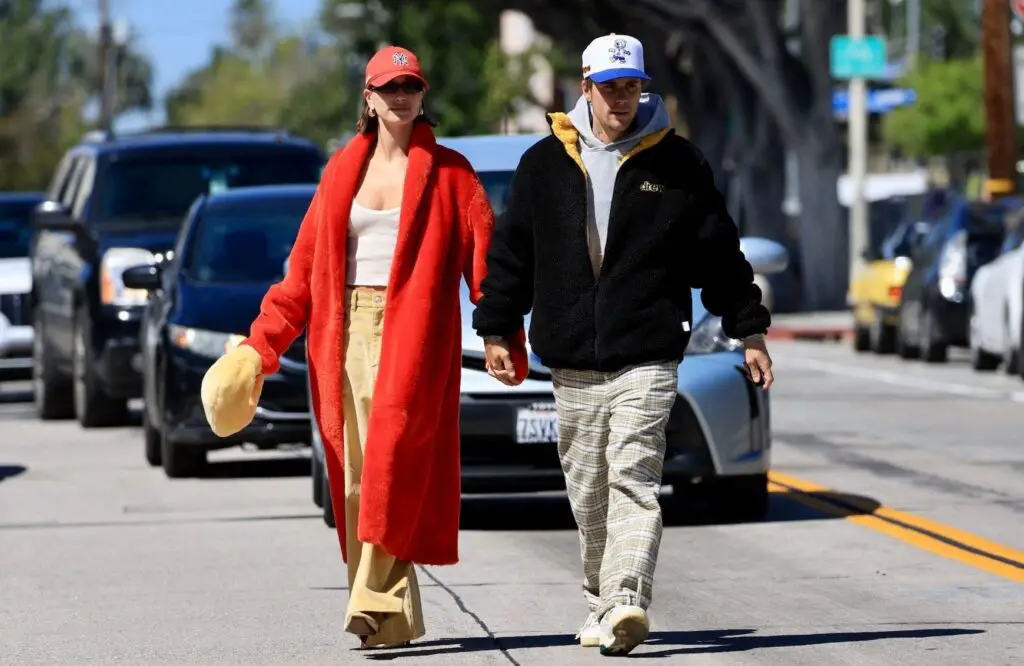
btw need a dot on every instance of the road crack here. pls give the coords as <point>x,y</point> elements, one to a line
<point>461,604</point>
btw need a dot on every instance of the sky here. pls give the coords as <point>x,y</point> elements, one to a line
<point>178,36</point>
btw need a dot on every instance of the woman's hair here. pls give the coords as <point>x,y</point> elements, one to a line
<point>367,124</point>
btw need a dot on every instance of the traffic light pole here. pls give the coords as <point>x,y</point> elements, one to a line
<point>1000,120</point>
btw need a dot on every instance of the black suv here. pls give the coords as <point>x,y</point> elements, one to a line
<point>117,202</point>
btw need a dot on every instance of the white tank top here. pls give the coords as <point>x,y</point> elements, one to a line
<point>372,236</point>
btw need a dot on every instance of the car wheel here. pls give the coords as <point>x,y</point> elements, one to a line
<point>328,505</point>
<point>932,349</point>
<point>316,475</point>
<point>93,406</point>
<point>181,461</point>
<point>740,498</point>
<point>53,391</point>
<point>861,338</point>
<point>152,438</point>
<point>883,336</point>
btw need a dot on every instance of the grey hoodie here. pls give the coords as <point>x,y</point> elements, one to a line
<point>602,164</point>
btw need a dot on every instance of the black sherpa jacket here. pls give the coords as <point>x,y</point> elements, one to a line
<point>668,232</point>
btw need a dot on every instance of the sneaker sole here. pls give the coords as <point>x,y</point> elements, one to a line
<point>629,631</point>
<point>590,641</point>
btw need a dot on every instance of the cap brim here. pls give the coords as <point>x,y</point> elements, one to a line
<point>382,79</point>
<point>620,73</point>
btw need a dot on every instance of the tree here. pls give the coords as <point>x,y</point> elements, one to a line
<point>948,116</point>
<point>48,74</point>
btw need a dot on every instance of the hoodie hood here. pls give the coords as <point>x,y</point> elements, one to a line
<point>651,117</point>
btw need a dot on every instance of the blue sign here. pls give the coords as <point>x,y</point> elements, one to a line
<point>862,57</point>
<point>879,101</point>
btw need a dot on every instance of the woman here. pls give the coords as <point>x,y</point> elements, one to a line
<point>373,278</point>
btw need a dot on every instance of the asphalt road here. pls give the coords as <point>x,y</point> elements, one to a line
<point>896,537</point>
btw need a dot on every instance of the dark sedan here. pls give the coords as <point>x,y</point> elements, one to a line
<point>232,247</point>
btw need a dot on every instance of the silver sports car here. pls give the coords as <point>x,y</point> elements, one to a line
<point>719,434</point>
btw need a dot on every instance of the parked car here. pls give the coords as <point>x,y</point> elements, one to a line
<point>719,433</point>
<point>875,294</point>
<point>934,311</point>
<point>16,283</point>
<point>232,247</point>
<point>996,313</point>
<point>116,202</point>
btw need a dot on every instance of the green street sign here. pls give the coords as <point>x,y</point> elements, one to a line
<point>861,57</point>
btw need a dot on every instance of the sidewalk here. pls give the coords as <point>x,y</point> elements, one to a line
<point>826,326</point>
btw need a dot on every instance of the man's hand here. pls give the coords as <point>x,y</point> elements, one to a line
<point>499,360</point>
<point>759,363</point>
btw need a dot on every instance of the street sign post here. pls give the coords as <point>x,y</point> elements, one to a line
<point>858,57</point>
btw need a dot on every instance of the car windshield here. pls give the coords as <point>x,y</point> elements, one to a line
<point>161,187</point>
<point>15,228</point>
<point>245,244</point>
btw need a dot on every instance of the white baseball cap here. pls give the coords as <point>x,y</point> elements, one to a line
<point>614,57</point>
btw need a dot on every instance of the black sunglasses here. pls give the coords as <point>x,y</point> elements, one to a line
<point>392,87</point>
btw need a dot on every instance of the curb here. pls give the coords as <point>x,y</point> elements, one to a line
<point>837,334</point>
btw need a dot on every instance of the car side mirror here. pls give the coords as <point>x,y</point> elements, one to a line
<point>765,256</point>
<point>146,277</point>
<point>53,216</point>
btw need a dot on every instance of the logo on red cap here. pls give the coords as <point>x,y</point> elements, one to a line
<point>399,59</point>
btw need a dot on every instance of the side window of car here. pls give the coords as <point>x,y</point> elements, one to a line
<point>70,192</point>
<point>87,174</point>
<point>60,179</point>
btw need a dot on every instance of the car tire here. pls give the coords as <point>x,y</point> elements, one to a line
<point>316,475</point>
<point>932,350</point>
<point>861,338</point>
<point>181,461</point>
<point>740,498</point>
<point>94,408</point>
<point>328,505</point>
<point>883,337</point>
<point>152,439</point>
<point>53,395</point>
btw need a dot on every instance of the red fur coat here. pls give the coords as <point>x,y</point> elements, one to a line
<point>410,496</point>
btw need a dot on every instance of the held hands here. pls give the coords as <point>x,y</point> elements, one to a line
<point>231,390</point>
<point>759,363</point>
<point>499,360</point>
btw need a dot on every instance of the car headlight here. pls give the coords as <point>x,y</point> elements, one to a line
<point>115,262</point>
<point>211,344</point>
<point>709,338</point>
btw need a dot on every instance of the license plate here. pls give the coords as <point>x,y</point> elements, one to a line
<point>537,426</point>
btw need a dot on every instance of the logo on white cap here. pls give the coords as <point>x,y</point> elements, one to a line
<point>614,57</point>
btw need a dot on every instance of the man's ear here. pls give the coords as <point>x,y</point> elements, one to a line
<point>586,86</point>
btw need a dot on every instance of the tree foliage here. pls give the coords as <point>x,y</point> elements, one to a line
<point>312,83</point>
<point>948,116</point>
<point>49,72</point>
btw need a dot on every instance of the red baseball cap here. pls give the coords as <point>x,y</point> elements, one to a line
<point>390,63</point>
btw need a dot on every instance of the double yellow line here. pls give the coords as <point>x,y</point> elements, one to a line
<point>920,532</point>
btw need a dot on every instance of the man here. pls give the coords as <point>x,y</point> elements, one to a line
<point>610,222</point>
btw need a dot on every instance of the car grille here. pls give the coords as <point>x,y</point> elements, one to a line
<point>15,308</point>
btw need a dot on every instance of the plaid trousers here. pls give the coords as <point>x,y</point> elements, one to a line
<point>611,443</point>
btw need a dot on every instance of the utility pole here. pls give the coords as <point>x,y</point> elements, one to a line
<point>1000,120</point>
<point>857,127</point>
<point>106,65</point>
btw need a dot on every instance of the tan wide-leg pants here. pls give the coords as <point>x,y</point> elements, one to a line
<point>383,592</point>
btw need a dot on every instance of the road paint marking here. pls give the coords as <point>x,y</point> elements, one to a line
<point>904,380</point>
<point>949,542</point>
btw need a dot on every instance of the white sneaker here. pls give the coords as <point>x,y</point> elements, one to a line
<point>589,634</point>
<point>622,629</point>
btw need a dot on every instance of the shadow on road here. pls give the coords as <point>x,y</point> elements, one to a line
<point>9,471</point>
<point>533,512</point>
<point>679,642</point>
